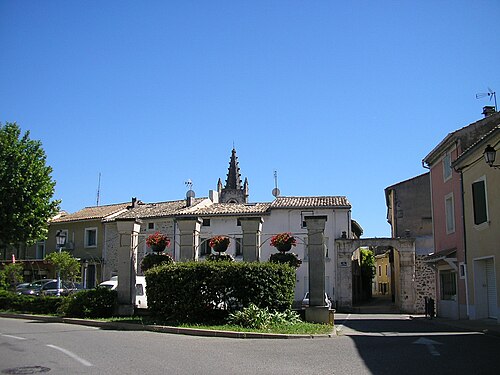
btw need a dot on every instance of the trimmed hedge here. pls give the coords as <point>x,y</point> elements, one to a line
<point>91,303</point>
<point>209,291</point>
<point>29,304</point>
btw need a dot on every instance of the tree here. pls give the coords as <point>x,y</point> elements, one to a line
<point>11,275</point>
<point>367,271</point>
<point>26,188</point>
<point>66,264</point>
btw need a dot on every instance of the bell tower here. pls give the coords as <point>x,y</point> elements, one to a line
<point>233,192</point>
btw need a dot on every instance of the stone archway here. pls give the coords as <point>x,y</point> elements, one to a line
<point>405,293</point>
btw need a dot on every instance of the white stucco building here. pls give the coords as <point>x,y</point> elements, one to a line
<point>222,213</point>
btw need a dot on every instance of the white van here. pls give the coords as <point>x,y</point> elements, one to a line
<point>141,299</point>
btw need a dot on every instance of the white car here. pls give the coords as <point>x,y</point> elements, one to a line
<point>305,301</point>
<point>141,299</point>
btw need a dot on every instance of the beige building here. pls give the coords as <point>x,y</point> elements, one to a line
<point>382,280</point>
<point>86,240</point>
<point>481,192</point>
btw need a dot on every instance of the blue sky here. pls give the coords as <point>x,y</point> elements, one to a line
<point>341,98</point>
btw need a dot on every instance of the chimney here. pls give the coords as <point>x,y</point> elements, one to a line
<point>134,202</point>
<point>214,196</point>
<point>488,110</point>
<point>190,198</point>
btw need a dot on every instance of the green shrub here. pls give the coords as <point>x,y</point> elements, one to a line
<point>286,258</point>
<point>254,317</point>
<point>153,260</point>
<point>209,291</point>
<point>92,303</point>
<point>220,257</point>
<point>29,304</point>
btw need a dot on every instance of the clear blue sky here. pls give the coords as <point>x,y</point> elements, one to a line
<point>341,98</point>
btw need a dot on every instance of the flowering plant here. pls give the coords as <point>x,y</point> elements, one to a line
<point>283,239</point>
<point>219,242</point>
<point>158,240</point>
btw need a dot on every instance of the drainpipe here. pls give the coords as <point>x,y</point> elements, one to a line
<point>465,244</point>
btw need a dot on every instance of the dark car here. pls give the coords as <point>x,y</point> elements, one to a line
<point>34,287</point>
<point>49,288</point>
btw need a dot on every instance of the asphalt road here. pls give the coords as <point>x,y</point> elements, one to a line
<point>368,344</point>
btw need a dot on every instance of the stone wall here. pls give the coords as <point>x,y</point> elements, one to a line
<point>425,283</point>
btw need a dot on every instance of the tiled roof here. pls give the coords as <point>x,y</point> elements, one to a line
<point>229,209</point>
<point>161,209</point>
<point>311,202</point>
<point>92,213</point>
<point>476,144</point>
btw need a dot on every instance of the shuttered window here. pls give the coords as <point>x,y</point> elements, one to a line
<point>479,202</point>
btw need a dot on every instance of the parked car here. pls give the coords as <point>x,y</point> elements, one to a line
<point>305,301</point>
<point>141,299</point>
<point>22,286</point>
<point>33,287</point>
<point>49,288</point>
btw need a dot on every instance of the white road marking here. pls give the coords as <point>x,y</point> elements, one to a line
<point>12,336</point>
<point>70,354</point>
<point>341,326</point>
<point>430,345</point>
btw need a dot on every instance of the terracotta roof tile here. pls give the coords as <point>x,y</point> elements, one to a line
<point>161,209</point>
<point>230,209</point>
<point>92,213</point>
<point>311,202</point>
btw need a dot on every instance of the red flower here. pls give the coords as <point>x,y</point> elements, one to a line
<point>283,239</point>
<point>158,239</point>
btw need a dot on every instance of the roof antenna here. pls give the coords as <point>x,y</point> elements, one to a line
<point>491,94</point>
<point>98,189</point>
<point>276,191</point>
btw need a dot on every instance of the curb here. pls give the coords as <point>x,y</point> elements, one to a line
<point>164,329</point>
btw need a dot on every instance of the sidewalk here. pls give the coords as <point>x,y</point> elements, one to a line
<point>486,326</point>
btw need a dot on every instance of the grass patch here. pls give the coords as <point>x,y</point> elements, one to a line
<point>289,329</point>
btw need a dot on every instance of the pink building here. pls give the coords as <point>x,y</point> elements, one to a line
<point>449,258</point>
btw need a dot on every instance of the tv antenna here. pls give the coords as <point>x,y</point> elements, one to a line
<point>276,191</point>
<point>491,94</point>
<point>98,189</point>
<point>190,193</point>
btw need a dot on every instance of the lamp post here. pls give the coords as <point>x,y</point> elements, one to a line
<point>60,242</point>
<point>489,156</point>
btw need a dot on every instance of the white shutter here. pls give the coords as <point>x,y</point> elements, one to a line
<point>492,289</point>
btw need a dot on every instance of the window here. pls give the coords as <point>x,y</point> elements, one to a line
<point>40,250</point>
<point>450,213</point>
<point>448,285</point>
<point>90,237</point>
<point>303,215</point>
<point>386,270</point>
<point>447,171</point>
<point>238,222</point>
<point>206,222</point>
<point>205,248</point>
<point>238,246</point>
<point>479,202</point>
<point>151,226</point>
<point>380,270</point>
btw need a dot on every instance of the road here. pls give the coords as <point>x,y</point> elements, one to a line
<point>368,344</point>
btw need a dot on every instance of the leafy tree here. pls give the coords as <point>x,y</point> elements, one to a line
<point>11,275</point>
<point>65,263</point>
<point>367,270</point>
<point>26,188</point>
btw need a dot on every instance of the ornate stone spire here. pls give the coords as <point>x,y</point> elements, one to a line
<point>233,192</point>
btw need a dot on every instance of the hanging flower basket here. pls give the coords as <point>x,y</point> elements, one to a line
<point>283,242</point>
<point>158,242</point>
<point>219,243</point>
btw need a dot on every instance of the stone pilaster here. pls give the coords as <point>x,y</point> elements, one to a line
<point>317,311</point>
<point>189,229</point>
<point>128,231</point>
<point>407,275</point>
<point>251,227</point>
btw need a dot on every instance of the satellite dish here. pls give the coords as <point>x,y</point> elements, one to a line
<point>276,192</point>
<point>190,194</point>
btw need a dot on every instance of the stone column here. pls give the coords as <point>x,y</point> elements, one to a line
<point>127,267</point>
<point>407,275</point>
<point>343,294</point>
<point>189,229</point>
<point>317,311</point>
<point>251,227</point>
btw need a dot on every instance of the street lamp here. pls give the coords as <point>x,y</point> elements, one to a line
<point>60,242</point>
<point>489,156</point>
